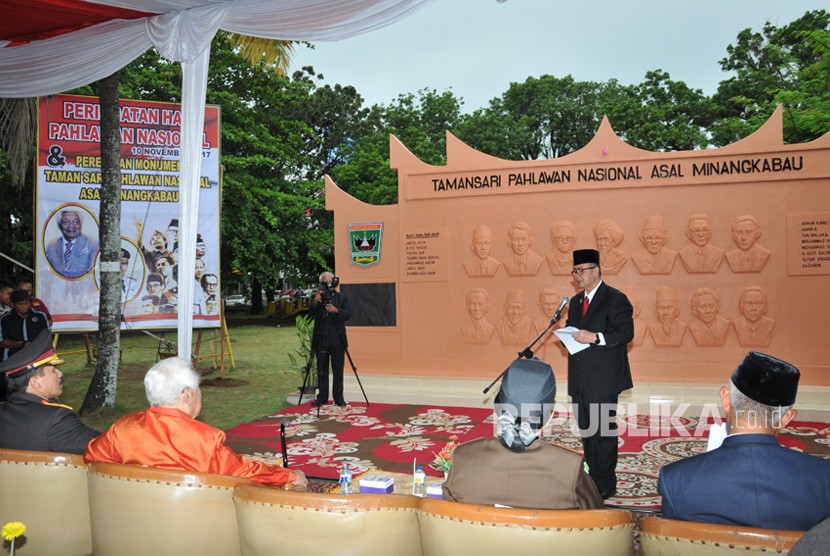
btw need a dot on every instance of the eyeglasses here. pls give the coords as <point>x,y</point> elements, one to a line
<point>579,271</point>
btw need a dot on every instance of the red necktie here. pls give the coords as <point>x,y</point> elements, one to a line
<point>585,302</point>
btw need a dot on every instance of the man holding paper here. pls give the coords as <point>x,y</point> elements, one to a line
<point>600,318</point>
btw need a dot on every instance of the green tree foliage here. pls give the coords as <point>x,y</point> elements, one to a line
<point>788,65</point>
<point>266,227</point>
<point>666,115</point>
<point>280,135</point>
<point>15,220</point>
<point>419,121</point>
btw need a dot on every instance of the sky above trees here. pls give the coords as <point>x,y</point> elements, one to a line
<point>477,48</point>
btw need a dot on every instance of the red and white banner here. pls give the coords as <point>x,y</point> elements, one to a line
<point>67,212</point>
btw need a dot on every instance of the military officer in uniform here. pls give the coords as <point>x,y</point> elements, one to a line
<point>33,418</point>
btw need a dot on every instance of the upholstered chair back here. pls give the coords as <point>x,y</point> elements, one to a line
<point>47,492</point>
<point>290,523</point>
<point>672,537</point>
<point>136,511</point>
<point>456,528</point>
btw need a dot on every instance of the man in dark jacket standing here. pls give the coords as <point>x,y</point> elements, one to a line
<point>330,310</point>
<point>597,374</point>
<point>33,418</point>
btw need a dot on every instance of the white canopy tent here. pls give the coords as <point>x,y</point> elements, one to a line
<point>50,46</point>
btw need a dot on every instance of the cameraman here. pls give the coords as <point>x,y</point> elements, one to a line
<point>330,310</point>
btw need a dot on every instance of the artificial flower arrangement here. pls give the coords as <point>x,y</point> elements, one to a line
<point>443,459</point>
<point>11,531</point>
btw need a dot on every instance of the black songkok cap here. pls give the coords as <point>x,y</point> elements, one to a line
<point>528,381</point>
<point>766,379</point>
<point>586,256</point>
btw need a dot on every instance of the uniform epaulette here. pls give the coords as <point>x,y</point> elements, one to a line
<point>55,404</point>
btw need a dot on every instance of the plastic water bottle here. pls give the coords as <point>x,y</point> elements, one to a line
<point>345,480</point>
<point>419,482</point>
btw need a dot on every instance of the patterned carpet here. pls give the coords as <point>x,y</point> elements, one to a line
<point>389,437</point>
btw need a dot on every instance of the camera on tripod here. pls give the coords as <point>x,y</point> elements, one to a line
<point>328,289</point>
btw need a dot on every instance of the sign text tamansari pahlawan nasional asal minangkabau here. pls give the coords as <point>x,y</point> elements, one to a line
<point>618,174</point>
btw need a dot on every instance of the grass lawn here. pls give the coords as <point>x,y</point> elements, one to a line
<point>257,387</point>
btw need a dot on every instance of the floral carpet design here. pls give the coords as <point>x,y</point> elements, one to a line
<point>390,437</point>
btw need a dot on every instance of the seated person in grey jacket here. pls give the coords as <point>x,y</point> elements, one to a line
<point>516,468</point>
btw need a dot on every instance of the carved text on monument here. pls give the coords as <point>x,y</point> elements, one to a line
<point>503,181</point>
<point>425,255</point>
<point>808,239</point>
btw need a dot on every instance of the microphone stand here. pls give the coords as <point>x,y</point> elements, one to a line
<point>527,353</point>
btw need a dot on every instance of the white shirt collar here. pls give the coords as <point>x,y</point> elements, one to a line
<point>590,294</point>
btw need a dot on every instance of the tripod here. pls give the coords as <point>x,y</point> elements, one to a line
<point>527,353</point>
<point>316,339</point>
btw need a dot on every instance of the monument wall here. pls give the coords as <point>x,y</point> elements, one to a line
<point>721,251</point>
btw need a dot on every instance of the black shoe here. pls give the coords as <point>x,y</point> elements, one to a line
<point>341,403</point>
<point>608,494</point>
<point>318,403</point>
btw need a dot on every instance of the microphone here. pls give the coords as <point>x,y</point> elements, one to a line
<point>558,313</point>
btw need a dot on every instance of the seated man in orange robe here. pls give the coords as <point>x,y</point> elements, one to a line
<point>167,434</point>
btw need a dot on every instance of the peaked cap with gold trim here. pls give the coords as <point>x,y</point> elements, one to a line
<point>38,353</point>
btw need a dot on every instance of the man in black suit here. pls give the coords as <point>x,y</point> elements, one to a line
<point>33,418</point>
<point>597,374</point>
<point>330,310</point>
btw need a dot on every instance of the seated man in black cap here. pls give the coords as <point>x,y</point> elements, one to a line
<point>751,480</point>
<point>513,469</point>
<point>21,325</point>
<point>33,418</point>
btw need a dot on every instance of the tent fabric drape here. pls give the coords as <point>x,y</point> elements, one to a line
<point>87,49</point>
<point>194,86</point>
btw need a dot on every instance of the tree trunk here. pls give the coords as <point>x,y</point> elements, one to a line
<point>102,389</point>
<point>256,297</point>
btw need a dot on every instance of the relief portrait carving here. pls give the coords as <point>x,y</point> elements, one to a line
<point>524,261</point>
<point>548,303</point>
<point>563,238</point>
<point>655,258</point>
<point>477,329</point>
<point>700,256</point>
<point>709,328</point>
<point>753,327</point>
<point>482,264</point>
<point>748,256</point>
<point>640,325</point>
<point>516,328</point>
<point>609,236</point>
<point>668,331</point>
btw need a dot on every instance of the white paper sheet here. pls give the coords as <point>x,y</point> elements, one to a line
<point>566,336</point>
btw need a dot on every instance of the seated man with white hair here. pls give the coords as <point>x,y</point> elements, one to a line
<point>167,434</point>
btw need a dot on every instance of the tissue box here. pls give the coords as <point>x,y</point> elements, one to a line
<point>377,484</point>
<point>434,490</point>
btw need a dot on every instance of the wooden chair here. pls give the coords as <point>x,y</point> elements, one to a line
<point>279,522</point>
<point>47,491</point>
<point>144,510</point>
<point>672,537</point>
<point>456,528</point>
